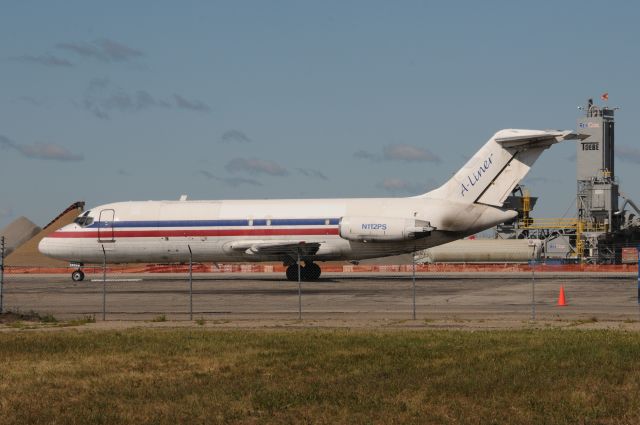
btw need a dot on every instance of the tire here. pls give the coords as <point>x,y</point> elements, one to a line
<point>292,272</point>
<point>77,276</point>
<point>311,271</point>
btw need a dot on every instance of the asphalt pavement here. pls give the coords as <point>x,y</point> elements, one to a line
<point>361,297</point>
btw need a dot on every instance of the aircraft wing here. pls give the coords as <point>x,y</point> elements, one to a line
<point>284,247</point>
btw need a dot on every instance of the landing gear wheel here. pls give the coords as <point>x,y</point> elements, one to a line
<point>77,276</point>
<point>311,271</point>
<point>292,272</point>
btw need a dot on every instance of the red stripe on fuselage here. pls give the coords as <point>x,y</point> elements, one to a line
<point>194,233</point>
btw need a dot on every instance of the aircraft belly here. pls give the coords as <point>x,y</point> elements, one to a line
<point>364,250</point>
<point>161,250</point>
<point>209,250</point>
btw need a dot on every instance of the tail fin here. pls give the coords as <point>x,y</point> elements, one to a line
<point>494,171</point>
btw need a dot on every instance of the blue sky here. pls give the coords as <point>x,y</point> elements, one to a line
<point>111,101</point>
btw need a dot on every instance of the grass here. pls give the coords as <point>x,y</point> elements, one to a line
<point>30,316</point>
<point>48,318</point>
<point>34,320</point>
<point>83,321</point>
<point>319,376</point>
<point>592,319</point>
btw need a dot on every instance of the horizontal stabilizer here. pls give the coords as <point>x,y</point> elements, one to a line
<point>549,136</point>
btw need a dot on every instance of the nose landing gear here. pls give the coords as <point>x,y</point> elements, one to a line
<point>77,276</point>
<point>310,271</point>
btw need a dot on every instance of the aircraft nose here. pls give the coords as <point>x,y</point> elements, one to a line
<point>45,246</point>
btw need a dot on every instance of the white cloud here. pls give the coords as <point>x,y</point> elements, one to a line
<point>234,136</point>
<point>46,60</point>
<point>409,153</point>
<point>102,49</point>
<point>256,166</point>
<point>230,181</point>
<point>399,152</point>
<point>40,150</point>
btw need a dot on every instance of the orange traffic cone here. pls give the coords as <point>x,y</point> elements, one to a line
<point>562,302</point>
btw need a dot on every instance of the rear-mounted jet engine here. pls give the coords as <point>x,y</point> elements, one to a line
<point>373,229</point>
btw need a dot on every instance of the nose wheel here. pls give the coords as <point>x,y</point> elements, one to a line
<point>77,276</point>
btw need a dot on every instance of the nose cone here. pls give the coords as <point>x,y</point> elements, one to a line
<point>45,246</point>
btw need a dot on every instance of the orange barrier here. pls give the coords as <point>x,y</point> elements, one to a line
<point>333,268</point>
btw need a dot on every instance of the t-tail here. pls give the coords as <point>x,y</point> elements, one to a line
<point>494,171</point>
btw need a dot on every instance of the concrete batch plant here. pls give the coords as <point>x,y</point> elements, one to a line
<point>603,231</point>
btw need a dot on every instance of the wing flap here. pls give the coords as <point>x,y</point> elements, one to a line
<point>291,248</point>
<point>283,247</point>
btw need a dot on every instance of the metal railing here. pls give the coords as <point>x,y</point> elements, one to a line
<point>561,223</point>
<point>572,224</point>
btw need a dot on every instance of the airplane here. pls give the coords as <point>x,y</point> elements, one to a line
<point>306,230</point>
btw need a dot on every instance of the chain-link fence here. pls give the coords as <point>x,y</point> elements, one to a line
<point>362,291</point>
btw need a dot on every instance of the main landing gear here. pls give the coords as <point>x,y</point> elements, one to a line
<point>310,271</point>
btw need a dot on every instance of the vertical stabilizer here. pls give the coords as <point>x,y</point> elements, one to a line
<point>494,171</point>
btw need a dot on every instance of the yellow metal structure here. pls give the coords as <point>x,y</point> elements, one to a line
<point>579,226</point>
<point>526,206</point>
<point>579,239</point>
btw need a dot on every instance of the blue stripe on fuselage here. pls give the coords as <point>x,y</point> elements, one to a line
<point>222,223</point>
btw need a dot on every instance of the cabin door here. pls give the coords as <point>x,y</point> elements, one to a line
<point>105,226</point>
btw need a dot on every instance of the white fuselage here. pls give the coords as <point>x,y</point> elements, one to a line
<point>165,231</point>
<point>311,230</point>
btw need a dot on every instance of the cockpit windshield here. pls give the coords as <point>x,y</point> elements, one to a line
<point>84,220</point>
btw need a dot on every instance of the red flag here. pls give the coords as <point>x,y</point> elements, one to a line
<point>604,96</point>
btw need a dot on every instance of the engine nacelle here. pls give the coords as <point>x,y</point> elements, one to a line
<point>374,229</point>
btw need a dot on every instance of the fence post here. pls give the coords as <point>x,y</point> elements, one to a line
<point>299,289</point>
<point>533,284</point>
<point>638,249</point>
<point>190,283</point>
<point>104,284</point>
<point>533,290</point>
<point>413,264</point>
<point>1,274</point>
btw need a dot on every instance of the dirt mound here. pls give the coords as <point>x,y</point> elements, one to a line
<point>18,232</point>
<point>27,254</point>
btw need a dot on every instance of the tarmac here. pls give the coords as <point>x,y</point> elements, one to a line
<point>447,300</point>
